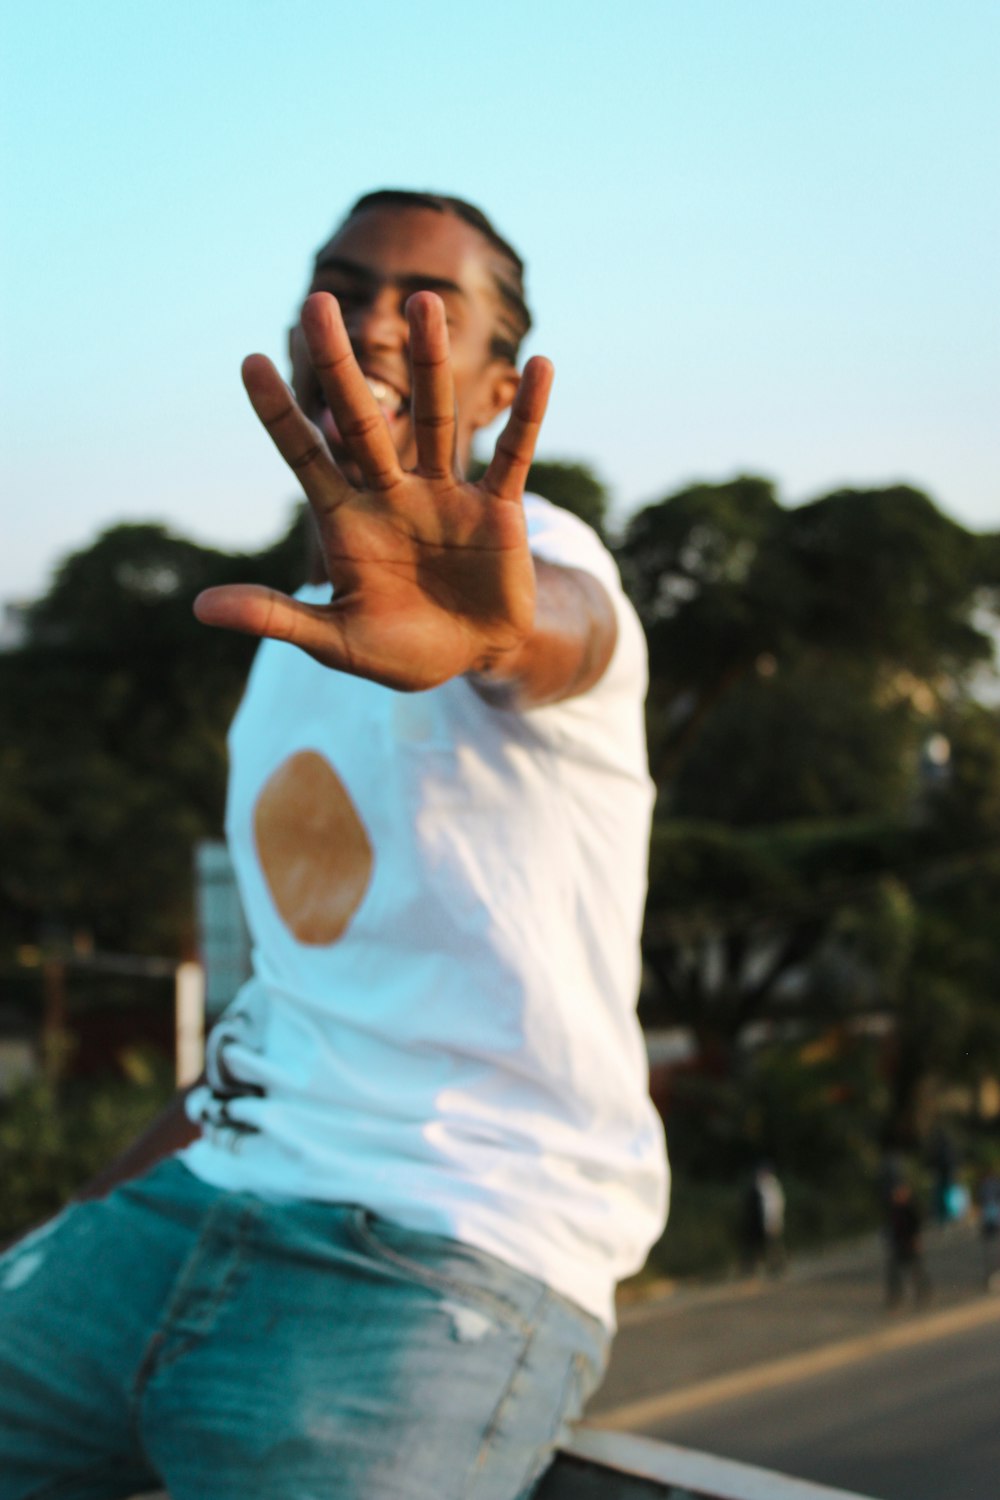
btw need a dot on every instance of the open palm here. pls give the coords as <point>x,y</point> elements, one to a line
<point>432,576</point>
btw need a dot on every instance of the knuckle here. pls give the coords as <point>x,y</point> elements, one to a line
<point>513,457</point>
<point>303,460</point>
<point>279,417</point>
<point>331,366</point>
<point>362,427</point>
<point>381,479</point>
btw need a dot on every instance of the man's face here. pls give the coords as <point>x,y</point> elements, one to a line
<point>372,265</point>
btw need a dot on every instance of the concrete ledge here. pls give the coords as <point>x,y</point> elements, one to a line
<point>599,1465</point>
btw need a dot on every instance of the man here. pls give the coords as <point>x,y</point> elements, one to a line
<point>904,1237</point>
<point>764,1223</point>
<point>424,1151</point>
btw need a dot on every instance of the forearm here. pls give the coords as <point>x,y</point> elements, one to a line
<point>569,647</point>
<point>169,1132</point>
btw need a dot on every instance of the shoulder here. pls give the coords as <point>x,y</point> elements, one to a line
<point>557,536</point>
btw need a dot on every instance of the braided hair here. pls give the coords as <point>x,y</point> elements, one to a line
<point>509,277</point>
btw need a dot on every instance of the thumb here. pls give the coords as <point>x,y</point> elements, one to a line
<point>254,610</point>
<point>250,608</point>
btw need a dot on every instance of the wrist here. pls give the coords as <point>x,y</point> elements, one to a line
<point>499,664</point>
<point>499,673</point>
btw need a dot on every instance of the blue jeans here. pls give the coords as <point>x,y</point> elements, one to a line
<point>225,1347</point>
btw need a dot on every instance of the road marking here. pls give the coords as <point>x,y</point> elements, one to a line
<point>793,1367</point>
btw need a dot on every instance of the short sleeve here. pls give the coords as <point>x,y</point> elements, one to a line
<point>557,536</point>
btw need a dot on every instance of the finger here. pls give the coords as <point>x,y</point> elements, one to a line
<point>433,385</point>
<point>508,471</point>
<point>299,442</point>
<point>357,414</point>
<point>255,610</point>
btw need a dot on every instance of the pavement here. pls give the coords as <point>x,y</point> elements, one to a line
<point>696,1344</point>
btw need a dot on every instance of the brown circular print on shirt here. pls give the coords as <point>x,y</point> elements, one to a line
<point>313,848</point>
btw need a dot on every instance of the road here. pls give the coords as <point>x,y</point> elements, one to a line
<point>811,1376</point>
<point>914,1424</point>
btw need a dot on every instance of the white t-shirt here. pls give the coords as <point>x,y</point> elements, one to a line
<point>445,900</point>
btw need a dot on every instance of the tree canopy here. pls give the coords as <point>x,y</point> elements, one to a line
<point>112,738</point>
<point>827,829</point>
<point>828,779</point>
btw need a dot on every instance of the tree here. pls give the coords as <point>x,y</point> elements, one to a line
<point>797,922</point>
<point>808,740</point>
<point>730,584</point>
<point>112,739</point>
<point>574,486</point>
<point>803,662</point>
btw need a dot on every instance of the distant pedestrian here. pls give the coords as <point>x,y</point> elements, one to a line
<point>892,1171</point>
<point>943,1158</point>
<point>988,1198</point>
<point>763,1228</point>
<point>905,1259</point>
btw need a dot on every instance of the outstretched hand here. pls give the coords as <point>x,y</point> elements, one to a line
<point>432,576</point>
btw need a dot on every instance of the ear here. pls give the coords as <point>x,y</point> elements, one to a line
<point>497,394</point>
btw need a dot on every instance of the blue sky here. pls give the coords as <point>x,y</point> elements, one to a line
<point>762,235</point>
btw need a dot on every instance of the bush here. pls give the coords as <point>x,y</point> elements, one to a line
<point>702,1238</point>
<point>53,1140</point>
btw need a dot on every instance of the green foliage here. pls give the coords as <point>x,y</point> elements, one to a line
<point>812,1109</point>
<point>702,1238</point>
<point>811,861</point>
<point>963,802</point>
<point>574,487</point>
<point>800,743</point>
<point>702,868</point>
<point>884,571</point>
<point>804,919</point>
<point>52,1142</point>
<point>112,738</point>
<point>869,585</point>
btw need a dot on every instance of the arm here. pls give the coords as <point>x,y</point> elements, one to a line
<point>568,649</point>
